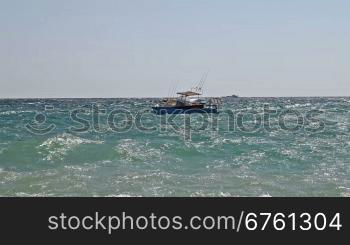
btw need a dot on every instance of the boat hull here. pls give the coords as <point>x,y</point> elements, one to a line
<point>182,110</point>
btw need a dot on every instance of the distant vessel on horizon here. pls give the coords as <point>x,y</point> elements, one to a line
<point>232,96</point>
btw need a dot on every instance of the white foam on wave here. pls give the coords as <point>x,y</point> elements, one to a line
<point>265,195</point>
<point>58,146</point>
<point>345,191</point>
<point>25,194</point>
<point>298,105</point>
<point>218,141</point>
<point>13,112</point>
<point>132,150</point>
<point>122,195</point>
<point>224,194</point>
<point>2,150</point>
<point>8,112</point>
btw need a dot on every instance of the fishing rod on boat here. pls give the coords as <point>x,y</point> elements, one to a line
<point>199,87</point>
<point>174,88</point>
<point>169,92</point>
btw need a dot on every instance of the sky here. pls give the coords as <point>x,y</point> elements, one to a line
<point>112,48</point>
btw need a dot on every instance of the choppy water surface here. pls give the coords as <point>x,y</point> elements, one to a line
<point>163,162</point>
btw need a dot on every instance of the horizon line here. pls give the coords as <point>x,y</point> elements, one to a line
<point>152,97</point>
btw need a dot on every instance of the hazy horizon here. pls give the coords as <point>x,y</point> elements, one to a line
<point>124,49</point>
<point>158,97</point>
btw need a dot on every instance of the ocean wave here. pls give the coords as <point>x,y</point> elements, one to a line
<point>24,194</point>
<point>265,195</point>
<point>298,105</point>
<point>2,150</point>
<point>58,146</point>
<point>131,150</point>
<point>122,195</point>
<point>14,112</point>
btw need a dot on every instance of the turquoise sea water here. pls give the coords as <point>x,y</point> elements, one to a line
<point>209,159</point>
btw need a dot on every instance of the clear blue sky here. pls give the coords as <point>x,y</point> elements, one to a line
<point>111,48</point>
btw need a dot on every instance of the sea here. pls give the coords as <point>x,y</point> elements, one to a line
<point>261,147</point>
